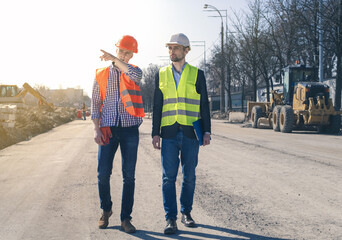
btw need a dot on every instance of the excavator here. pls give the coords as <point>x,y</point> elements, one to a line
<point>12,94</point>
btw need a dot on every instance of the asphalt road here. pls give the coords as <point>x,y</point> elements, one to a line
<point>251,184</point>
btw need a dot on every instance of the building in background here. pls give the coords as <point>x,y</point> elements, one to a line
<point>70,97</point>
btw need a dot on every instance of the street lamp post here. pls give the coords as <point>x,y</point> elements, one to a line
<point>222,90</point>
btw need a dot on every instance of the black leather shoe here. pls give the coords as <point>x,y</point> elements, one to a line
<point>187,220</point>
<point>171,227</point>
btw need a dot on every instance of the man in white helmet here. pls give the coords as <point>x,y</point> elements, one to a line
<point>180,98</point>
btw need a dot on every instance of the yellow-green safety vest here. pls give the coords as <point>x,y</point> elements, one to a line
<point>180,104</point>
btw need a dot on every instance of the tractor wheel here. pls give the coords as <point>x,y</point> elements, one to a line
<point>270,122</point>
<point>256,114</point>
<point>335,124</point>
<point>322,129</point>
<point>286,119</point>
<point>275,118</point>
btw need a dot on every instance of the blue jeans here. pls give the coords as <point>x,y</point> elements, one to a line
<point>187,148</point>
<point>128,139</point>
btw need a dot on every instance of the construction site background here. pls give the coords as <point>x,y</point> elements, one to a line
<point>70,97</point>
<point>23,115</point>
<point>32,121</point>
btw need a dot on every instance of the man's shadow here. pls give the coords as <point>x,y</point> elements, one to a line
<point>193,234</point>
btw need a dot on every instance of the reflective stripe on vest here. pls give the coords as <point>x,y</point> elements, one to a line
<point>129,92</point>
<point>180,112</point>
<point>180,105</point>
<point>185,100</point>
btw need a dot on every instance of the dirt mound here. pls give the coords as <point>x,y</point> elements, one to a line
<point>33,121</point>
<point>219,115</point>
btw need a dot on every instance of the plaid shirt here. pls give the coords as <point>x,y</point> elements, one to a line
<point>113,111</point>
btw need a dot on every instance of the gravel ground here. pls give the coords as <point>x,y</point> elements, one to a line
<point>253,184</point>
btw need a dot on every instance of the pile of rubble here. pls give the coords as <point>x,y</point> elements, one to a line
<point>219,115</point>
<point>231,117</point>
<point>20,124</point>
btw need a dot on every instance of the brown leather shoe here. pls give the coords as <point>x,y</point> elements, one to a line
<point>127,226</point>
<point>103,222</point>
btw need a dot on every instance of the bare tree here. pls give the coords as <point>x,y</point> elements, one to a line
<point>214,72</point>
<point>330,13</point>
<point>147,86</point>
<point>332,18</point>
<point>273,34</point>
<point>282,21</point>
<point>249,33</point>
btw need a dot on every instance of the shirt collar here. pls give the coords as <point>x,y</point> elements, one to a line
<point>112,66</point>
<point>174,69</point>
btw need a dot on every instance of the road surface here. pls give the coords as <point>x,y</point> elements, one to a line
<point>251,184</point>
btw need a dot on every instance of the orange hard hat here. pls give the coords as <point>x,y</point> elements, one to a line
<point>128,42</point>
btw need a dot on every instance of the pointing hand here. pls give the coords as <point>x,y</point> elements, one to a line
<point>107,56</point>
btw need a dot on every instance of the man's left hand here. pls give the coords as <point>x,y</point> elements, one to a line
<point>206,139</point>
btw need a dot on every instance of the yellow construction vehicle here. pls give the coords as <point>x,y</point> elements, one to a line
<point>8,94</point>
<point>12,94</point>
<point>305,102</point>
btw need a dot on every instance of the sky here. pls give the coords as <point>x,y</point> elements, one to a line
<point>56,43</point>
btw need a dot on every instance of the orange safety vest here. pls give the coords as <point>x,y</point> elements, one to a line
<point>129,91</point>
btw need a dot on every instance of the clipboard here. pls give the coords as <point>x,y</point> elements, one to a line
<point>198,130</point>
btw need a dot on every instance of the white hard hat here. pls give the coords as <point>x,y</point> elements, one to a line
<point>179,39</point>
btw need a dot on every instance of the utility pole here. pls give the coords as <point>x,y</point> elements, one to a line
<point>321,75</point>
<point>339,60</point>
<point>222,89</point>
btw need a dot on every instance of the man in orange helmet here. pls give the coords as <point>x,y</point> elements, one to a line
<point>117,112</point>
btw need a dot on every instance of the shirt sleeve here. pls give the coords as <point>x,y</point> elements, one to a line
<point>95,101</point>
<point>201,88</point>
<point>134,73</point>
<point>157,107</point>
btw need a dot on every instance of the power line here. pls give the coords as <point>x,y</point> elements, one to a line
<point>205,50</point>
